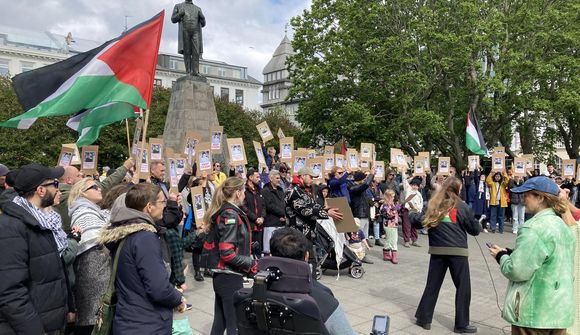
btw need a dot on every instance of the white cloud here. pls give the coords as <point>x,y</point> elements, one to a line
<point>240,32</point>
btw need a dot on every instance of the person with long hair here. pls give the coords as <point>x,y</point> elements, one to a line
<point>228,250</point>
<point>448,220</point>
<point>540,268</point>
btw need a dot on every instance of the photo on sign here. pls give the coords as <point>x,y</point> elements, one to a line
<point>497,163</point>
<point>144,162</point>
<point>379,171</point>
<point>286,150</point>
<point>340,162</point>
<point>311,154</point>
<point>569,170</point>
<point>198,203</point>
<point>173,173</point>
<point>205,160</point>
<point>237,154</point>
<point>328,163</point>
<point>520,167</point>
<point>473,162</point>
<point>265,132</point>
<point>444,166</point>
<point>156,151</point>
<point>400,159</point>
<point>317,169</point>
<point>353,160</point>
<point>299,163</point>
<point>65,159</point>
<point>419,167</point>
<point>216,140</point>
<point>89,160</point>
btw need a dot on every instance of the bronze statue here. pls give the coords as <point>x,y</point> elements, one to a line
<point>190,43</point>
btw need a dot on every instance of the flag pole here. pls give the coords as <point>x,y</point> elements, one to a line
<point>143,138</point>
<point>128,137</point>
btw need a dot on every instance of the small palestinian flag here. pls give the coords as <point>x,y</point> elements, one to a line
<point>473,135</point>
<point>99,87</point>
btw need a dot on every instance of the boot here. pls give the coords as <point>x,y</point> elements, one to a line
<point>386,255</point>
<point>198,276</point>
<point>394,259</point>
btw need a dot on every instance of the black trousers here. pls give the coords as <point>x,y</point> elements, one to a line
<point>459,269</point>
<point>224,286</point>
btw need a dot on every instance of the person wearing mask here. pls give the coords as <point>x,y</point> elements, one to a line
<point>220,177</point>
<point>228,250</point>
<point>517,203</point>
<point>448,220</point>
<point>33,288</point>
<point>498,200</point>
<point>540,268</point>
<point>359,201</point>
<point>255,209</point>
<point>275,206</point>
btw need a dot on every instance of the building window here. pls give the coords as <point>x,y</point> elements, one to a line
<point>212,90</point>
<point>173,64</point>
<point>225,94</point>
<point>157,82</point>
<point>26,66</point>
<point>240,97</point>
<point>221,72</point>
<point>4,67</point>
<point>205,69</point>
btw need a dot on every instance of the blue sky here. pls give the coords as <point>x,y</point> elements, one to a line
<point>240,32</point>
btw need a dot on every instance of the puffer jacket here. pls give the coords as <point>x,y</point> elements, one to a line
<point>227,246</point>
<point>450,236</point>
<point>503,184</point>
<point>515,198</point>
<point>540,270</point>
<point>33,290</point>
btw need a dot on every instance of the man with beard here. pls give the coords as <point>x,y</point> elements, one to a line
<point>33,293</point>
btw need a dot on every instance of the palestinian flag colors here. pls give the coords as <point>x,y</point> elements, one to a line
<point>99,87</point>
<point>474,136</point>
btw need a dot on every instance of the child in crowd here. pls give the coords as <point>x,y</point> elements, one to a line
<point>389,214</point>
<point>358,243</point>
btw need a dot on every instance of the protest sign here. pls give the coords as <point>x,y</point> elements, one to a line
<point>203,158</point>
<point>90,157</point>
<point>66,156</point>
<point>156,149</point>
<point>443,166</point>
<point>237,151</point>
<point>216,135</point>
<point>286,149</point>
<point>265,132</point>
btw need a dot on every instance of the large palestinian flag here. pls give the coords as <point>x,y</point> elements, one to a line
<point>474,136</point>
<point>99,87</point>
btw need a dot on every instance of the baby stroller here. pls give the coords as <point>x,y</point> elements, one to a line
<point>326,255</point>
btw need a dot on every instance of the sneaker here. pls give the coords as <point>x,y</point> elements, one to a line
<point>515,232</point>
<point>188,307</point>
<point>415,244</point>
<point>407,245</point>
<point>485,230</point>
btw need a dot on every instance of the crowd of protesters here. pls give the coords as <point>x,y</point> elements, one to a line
<point>62,231</point>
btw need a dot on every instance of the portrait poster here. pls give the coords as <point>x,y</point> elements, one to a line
<point>379,170</point>
<point>529,162</point>
<point>180,163</point>
<point>498,162</point>
<point>198,203</point>
<point>499,151</point>
<point>260,155</point>
<point>347,224</point>
<point>472,162</point>
<point>328,150</point>
<point>300,157</point>
<point>317,165</point>
<point>216,135</point>
<point>90,157</point>
<point>352,159</point>
<point>144,163</point>
<point>339,160</point>
<point>156,149</point>
<point>203,158</point>
<point>443,165</point>
<point>280,134</point>
<point>136,136</point>
<point>419,166</point>
<point>366,151</point>
<point>76,158</point>
<point>568,168</point>
<point>65,157</point>
<point>398,159</point>
<point>311,153</point>
<point>240,171</point>
<point>171,168</point>
<point>265,132</point>
<point>188,143</point>
<point>237,151</point>
<point>328,162</point>
<point>286,149</point>
<point>365,164</point>
<point>520,166</point>
<point>426,160</point>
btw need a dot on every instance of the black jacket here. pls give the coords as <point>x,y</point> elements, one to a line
<point>515,198</point>
<point>275,206</point>
<point>359,202</point>
<point>33,293</point>
<point>254,207</point>
<point>450,238</point>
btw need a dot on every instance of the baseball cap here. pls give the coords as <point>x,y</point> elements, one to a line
<point>3,170</point>
<point>306,171</point>
<point>539,183</point>
<point>29,177</point>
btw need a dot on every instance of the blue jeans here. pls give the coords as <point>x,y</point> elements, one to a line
<point>376,230</point>
<point>497,214</point>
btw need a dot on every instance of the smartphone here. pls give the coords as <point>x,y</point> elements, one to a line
<point>381,325</point>
<point>489,245</point>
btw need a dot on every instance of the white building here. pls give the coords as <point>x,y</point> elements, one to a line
<point>23,50</point>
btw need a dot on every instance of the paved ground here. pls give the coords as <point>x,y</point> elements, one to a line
<point>395,290</point>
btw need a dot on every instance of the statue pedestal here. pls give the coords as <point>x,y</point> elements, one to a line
<point>191,108</point>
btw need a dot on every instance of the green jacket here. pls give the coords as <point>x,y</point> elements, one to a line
<point>540,292</point>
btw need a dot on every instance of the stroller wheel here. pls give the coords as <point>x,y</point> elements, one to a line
<point>357,271</point>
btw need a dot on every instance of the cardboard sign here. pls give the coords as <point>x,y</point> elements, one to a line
<point>365,164</point>
<point>339,160</point>
<point>237,151</point>
<point>180,164</point>
<point>419,166</point>
<point>380,170</point>
<point>347,224</point>
<point>328,150</point>
<point>498,162</point>
<point>366,151</point>
<point>66,156</point>
<point>76,159</point>
<point>188,143</point>
<point>443,166</point>
<point>155,149</point>
<point>240,171</point>
<point>529,162</point>
<point>260,155</point>
<point>398,159</point>
<point>352,159</point>
<point>203,158</point>
<point>499,151</point>
<point>216,135</point>
<point>90,157</point>
<point>317,165</point>
<point>265,132</point>
<point>311,153</point>
<point>143,162</point>
<point>171,165</point>
<point>280,134</point>
<point>520,166</point>
<point>426,160</point>
<point>197,203</point>
<point>136,136</point>
<point>286,149</point>
<point>328,162</point>
<point>568,168</point>
<point>299,162</point>
<point>472,162</point>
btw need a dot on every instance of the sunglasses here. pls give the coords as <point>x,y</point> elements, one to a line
<point>92,187</point>
<point>53,183</point>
